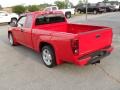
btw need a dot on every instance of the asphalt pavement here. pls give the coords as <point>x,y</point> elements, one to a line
<point>21,68</point>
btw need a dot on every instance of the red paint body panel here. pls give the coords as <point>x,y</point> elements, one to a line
<point>59,35</point>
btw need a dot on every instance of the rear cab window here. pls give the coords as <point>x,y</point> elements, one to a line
<point>54,8</point>
<point>49,19</point>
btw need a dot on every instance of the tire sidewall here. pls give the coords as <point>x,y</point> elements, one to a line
<point>68,15</point>
<point>13,20</point>
<point>11,38</point>
<point>49,48</point>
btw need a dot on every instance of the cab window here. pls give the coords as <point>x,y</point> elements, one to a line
<point>21,21</point>
<point>29,21</point>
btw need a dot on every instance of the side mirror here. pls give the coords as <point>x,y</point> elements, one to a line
<point>13,24</point>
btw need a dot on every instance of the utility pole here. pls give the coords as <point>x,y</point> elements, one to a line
<point>86,3</point>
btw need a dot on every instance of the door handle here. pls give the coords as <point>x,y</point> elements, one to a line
<point>22,30</point>
<point>98,36</point>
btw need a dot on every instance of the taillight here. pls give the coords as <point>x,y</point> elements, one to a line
<point>75,46</point>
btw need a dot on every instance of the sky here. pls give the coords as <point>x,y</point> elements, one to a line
<point>8,3</point>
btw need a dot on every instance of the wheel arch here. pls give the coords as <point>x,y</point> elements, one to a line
<point>67,12</point>
<point>43,43</point>
<point>13,18</point>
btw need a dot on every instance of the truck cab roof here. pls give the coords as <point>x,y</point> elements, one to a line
<point>42,13</point>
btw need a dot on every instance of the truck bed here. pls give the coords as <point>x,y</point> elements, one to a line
<point>70,28</point>
<point>91,38</point>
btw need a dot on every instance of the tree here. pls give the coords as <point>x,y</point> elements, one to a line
<point>19,9</point>
<point>105,1</point>
<point>68,4</point>
<point>80,2</point>
<point>71,4</point>
<point>33,8</point>
<point>42,6</point>
<point>60,4</point>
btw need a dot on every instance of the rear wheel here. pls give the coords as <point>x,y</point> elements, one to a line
<point>13,20</point>
<point>68,14</point>
<point>48,56</point>
<point>94,12</point>
<point>79,11</point>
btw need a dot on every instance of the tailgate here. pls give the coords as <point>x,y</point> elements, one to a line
<point>92,41</point>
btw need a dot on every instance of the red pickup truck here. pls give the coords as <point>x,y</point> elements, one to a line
<point>59,41</point>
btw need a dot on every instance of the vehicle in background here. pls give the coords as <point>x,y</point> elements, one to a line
<point>109,7</point>
<point>67,12</point>
<point>6,17</point>
<point>91,8</point>
<point>119,7</point>
<point>59,41</point>
<point>116,6</point>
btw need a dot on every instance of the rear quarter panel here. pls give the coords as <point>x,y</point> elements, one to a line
<point>62,44</point>
<point>59,40</point>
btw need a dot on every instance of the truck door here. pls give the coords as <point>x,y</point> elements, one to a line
<point>28,31</point>
<point>19,30</point>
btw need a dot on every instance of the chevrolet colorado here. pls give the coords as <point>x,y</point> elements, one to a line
<point>59,41</point>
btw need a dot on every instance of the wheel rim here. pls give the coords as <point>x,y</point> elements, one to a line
<point>95,12</point>
<point>68,16</point>
<point>11,39</point>
<point>14,21</point>
<point>47,57</point>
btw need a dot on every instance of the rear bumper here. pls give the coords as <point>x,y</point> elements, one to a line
<point>93,57</point>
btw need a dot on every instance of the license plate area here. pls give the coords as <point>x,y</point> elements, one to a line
<point>97,56</point>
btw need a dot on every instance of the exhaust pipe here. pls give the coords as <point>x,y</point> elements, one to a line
<point>95,62</point>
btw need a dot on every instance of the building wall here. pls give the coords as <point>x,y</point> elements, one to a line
<point>8,9</point>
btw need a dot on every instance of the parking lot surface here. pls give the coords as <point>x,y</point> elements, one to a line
<point>22,69</point>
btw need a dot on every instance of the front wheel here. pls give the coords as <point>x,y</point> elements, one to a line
<point>48,56</point>
<point>12,40</point>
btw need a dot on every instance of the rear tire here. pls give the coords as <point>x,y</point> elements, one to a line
<point>13,20</point>
<point>79,11</point>
<point>95,12</point>
<point>68,15</point>
<point>48,56</point>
